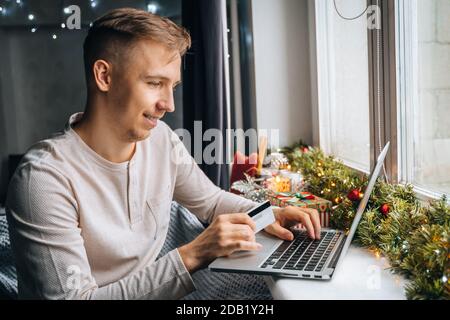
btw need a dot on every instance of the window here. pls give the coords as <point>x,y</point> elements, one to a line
<point>423,64</point>
<point>414,105</point>
<point>343,82</point>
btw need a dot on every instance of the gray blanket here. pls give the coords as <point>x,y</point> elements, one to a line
<point>8,277</point>
<point>184,227</point>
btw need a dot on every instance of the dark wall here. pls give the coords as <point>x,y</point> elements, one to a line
<point>41,84</point>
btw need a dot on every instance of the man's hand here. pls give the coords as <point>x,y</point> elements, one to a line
<point>290,216</point>
<point>226,234</point>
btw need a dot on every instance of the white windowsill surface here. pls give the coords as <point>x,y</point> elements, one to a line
<point>361,276</point>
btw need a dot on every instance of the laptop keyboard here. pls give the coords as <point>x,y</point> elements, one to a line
<point>303,253</point>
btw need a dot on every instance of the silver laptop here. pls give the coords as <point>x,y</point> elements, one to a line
<point>301,257</point>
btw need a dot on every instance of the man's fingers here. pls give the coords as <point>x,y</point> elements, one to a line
<point>242,232</point>
<point>246,246</point>
<point>302,216</point>
<point>309,226</point>
<point>278,231</point>
<point>306,221</point>
<point>240,218</point>
<point>315,219</point>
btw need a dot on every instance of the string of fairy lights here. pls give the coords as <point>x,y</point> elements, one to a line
<point>33,19</point>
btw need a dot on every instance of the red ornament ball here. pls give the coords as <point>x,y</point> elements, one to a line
<point>354,195</point>
<point>384,209</point>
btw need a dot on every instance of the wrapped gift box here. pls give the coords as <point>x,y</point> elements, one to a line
<point>304,199</point>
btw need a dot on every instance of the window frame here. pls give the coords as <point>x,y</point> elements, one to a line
<point>382,86</point>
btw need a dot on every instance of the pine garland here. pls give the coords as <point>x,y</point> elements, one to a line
<point>415,237</point>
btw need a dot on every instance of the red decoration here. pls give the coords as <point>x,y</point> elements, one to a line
<point>354,195</point>
<point>384,209</point>
<point>305,149</point>
<point>243,164</point>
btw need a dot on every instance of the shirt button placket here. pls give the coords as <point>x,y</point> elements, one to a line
<point>135,213</point>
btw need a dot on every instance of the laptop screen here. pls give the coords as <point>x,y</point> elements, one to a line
<point>365,199</point>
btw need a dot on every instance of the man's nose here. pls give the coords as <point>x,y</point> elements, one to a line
<point>168,103</point>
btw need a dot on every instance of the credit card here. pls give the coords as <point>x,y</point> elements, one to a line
<point>262,215</point>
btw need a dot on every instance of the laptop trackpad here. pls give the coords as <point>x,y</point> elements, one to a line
<point>249,259</point>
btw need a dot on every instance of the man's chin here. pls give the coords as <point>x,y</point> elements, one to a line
<point>138,136</point>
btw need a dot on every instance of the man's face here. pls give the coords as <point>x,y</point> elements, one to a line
<point>142,89</point>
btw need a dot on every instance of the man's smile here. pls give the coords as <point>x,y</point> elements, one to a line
<point>150,120</point>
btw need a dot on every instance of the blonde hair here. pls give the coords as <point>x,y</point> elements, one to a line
<point>117,31</point>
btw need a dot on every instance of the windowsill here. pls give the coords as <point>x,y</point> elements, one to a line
<point>425,195</point>
<point>355,167</point>
<point>361,275</point>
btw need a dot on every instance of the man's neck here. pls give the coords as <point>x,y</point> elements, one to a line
<point>96,132</point>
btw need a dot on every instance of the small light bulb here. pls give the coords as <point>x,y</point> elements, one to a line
<point>33,30</point>
<point>1,9</point>
<point>18,1</point>
<point>93,4</point>
<point>54,37</point>
<point>63,25</point>
<point>151,7</point>
<point>31,17</point>
<point>66,10</point>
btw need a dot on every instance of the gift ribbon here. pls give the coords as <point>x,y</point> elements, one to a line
<point>305,196</point>
<point>299,195</point>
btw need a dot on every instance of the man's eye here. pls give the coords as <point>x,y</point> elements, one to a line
<point>155,84</point>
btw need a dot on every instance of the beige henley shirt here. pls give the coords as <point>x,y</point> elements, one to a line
<point>85,228</point>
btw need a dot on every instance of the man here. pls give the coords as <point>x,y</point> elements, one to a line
<point>89,208</point>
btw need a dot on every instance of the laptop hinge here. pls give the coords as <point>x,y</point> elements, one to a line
<point>336,255</point>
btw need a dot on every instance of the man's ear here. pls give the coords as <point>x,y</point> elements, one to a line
<point>102,75</point>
